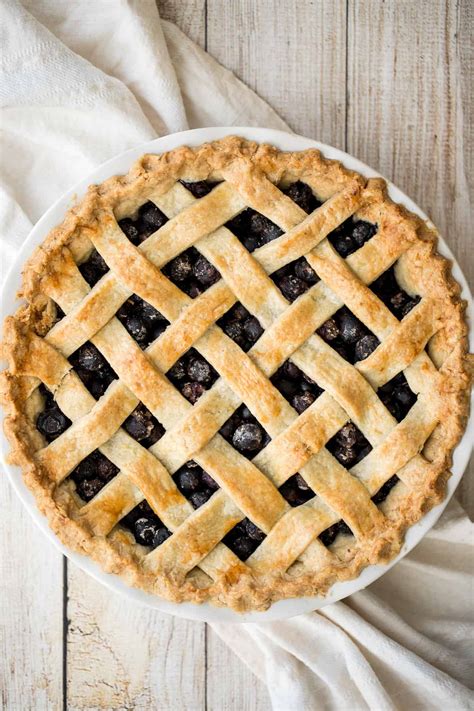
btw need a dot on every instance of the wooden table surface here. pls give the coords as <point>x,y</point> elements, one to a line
<point>389,82</point>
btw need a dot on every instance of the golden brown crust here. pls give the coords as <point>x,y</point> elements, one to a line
<point>193,565</point>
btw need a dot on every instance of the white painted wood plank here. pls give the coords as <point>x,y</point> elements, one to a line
<point>408,79</point>
<point>31,606</point>
<point>189,16</point>
<point>296,61</point>
<point>120,655</point>
<point>231,686</point>
<point>461,237</point>
<point>123,656</point>
<point>291,54</point>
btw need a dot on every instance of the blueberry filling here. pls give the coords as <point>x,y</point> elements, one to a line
<point>348,336</point>
<point>94,268</point>
<point>296,491</point>
<point>93,369</point>
<point>51,422</point>
<point>92,474</point>
<point>145,525</point>
<point>142,321</point>
<point>349,445</point>
<point>302,195</point>
<point>192,375</point>
<point>295,278</point>
<point>149,220</point>
<point>385,490</point>
<point>297,387</point>
<point>397,396</point>
<point>59,312</point>
<point>241,326</point>
<point>192,272</point>
<point>244,539</point>
<point>253,229</point>
<point>143,427</point>
<point>198,188</point>
<point>390,292</point>
<point>245,433</point>
<point>351,235</point>
<point>328,536</point>
<point>195,484</point>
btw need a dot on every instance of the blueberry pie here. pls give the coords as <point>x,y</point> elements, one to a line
<point>238,374</point>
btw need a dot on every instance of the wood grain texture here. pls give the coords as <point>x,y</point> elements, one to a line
<point>292,54</point>
<point>409,113</point>
<point>31,612</point>
<point>121,655</point>
<point>391,82</point>
<point>189,16</point>
<point>231,686</point>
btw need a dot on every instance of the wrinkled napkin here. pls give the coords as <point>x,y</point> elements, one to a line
<point>84,81</point>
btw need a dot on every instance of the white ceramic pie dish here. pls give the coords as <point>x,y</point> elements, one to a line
<point>8,304</point>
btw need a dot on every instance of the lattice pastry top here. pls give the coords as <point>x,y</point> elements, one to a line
<point>238,376</point>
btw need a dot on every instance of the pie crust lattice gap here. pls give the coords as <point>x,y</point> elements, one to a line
<point>252,369</point>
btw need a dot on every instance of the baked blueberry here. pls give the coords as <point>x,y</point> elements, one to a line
<point>350,327</point>
<point>187,480</point>
<point>208,482</point>
<point>294,492</point>
<point>194,289</point>
<point>292,287</point>
<point>365,346</point>
<point>145,531</point>
<point>384,491</point>
<point>290,370</point>
<point>87,489</point>
<point>343,244</point>
<point>177,371</point>
<point>243,547</point>
<point>205,272</point>
<point>347,435</point>
<point>328,536</point>
<point>304,271</point>
<point>302,401</point>
<point>362,232</point>
<point>301,483</point>
<point>235,330</point>
<point>140,424</point>
<point>329,331</point>
<point>198,188</point>
<point>252,530</point>
<point>193,391</point>
<point>151,216</point>
<point>89,358</point>
<point>161,535</point>
<point>247,437</point>
<point>200,497</point>
<point>52,423</point>
<point>302,194</point>
<point>180,268</point>
<point>199,370</point>
<point>128,226</point>
<point>252,329</point>
<point>94,268</point>
<point>265,228</point>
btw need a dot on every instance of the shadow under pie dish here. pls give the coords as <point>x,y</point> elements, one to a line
<point>239,374</point>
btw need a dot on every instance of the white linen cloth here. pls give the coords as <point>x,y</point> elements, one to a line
<point>85,80</point>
